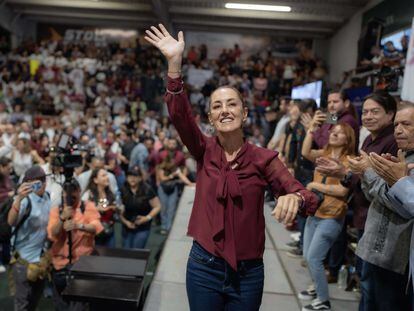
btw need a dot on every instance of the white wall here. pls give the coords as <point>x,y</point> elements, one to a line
<point>216,42</point>
<point>343,45</point>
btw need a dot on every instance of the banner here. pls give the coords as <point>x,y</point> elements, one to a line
<point>408,89</point>
<point>198,77</point>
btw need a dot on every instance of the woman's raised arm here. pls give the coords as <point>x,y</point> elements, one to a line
<point>179,107</point>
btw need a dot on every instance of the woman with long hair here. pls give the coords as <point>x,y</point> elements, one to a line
<point>99,192</point>
<point>322,229</point>
<point>225,267</point>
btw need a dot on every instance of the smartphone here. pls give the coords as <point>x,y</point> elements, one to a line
<point>331,118</point>
<point>36,186</point>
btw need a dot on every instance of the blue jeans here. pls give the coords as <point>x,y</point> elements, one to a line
<point>168,207</point>
<point>137,239</point>
<point>213,285</point>
<point>320,234</point>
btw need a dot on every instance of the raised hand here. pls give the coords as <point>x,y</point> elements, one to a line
<point>171,48</point>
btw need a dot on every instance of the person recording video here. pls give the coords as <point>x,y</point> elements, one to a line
<point>28,217</point>
<point>72,229</point>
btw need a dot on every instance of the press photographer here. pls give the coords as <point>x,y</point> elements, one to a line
<point>72,230</point>
<point>29,218</point>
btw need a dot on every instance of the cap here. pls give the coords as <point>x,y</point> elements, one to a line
<point>33,173</point>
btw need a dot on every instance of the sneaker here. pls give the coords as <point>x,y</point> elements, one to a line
<point>293,244</point>
<point>295,253</point>
<point>295,236</point>
<point>2,269</point>
<point>318,305</point>
<point>308,294</point>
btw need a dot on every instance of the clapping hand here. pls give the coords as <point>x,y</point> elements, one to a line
<point>359,164</point>
<point>330,167</point>
<point>389,168</point>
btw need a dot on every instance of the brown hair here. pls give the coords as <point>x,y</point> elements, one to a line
<point>350,137</point>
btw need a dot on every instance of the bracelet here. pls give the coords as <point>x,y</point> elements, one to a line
<point>302,198</point>
<point>179,71</point>
<point>175,93</point>
<point>149,217</point>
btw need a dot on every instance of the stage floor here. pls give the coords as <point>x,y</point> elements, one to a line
<point>284,276</point>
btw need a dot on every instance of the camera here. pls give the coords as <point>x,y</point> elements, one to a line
<point>68,156</point>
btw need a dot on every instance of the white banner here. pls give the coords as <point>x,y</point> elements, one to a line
<point>198,77</point>
<point>408,83</point>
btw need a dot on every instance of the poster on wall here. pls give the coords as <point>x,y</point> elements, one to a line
<point>85,35</point>
<point>408,89</point>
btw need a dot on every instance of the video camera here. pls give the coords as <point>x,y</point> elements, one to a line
<point>68,156</point>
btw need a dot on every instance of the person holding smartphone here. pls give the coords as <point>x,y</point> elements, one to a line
<point>225,267</point>
<point>338,111</point>
<point>29,214</point>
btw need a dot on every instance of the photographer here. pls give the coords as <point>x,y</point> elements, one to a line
<point>29,217</point>
<point>81,221</point>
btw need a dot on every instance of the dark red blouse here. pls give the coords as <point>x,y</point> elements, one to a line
<point>227,217</point>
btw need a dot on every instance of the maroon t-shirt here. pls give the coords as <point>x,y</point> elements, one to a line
<point>227,217</point>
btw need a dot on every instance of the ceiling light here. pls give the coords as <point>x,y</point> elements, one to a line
<point>258,7</point>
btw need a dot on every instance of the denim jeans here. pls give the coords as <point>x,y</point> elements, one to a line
<point>213,285</point>
<point>134,239</point>
<point>320,234</point>
<point>383,290</point>
<point>168,207</point>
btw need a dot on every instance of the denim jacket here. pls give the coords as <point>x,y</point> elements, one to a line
<point>387,235</point>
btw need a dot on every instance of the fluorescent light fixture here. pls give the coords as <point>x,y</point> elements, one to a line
<point>258,7</point>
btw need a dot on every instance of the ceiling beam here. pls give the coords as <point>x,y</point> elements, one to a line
<point>271,33</point>
<point>161,11</point>
<point>255,14</point>
<point>107,16</point>
<point>84,4</point>
<point>262,26</point>
<point>87,22</point>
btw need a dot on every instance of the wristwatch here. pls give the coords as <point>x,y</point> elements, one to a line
<point>149,217</point>
<point>346,181</point>
<point>81,227</point>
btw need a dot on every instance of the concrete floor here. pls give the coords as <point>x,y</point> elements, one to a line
<point>284,276</point>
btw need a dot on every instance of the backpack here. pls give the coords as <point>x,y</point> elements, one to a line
<point>6,231</point>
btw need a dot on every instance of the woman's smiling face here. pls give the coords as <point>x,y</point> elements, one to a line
<point>227,113</point>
